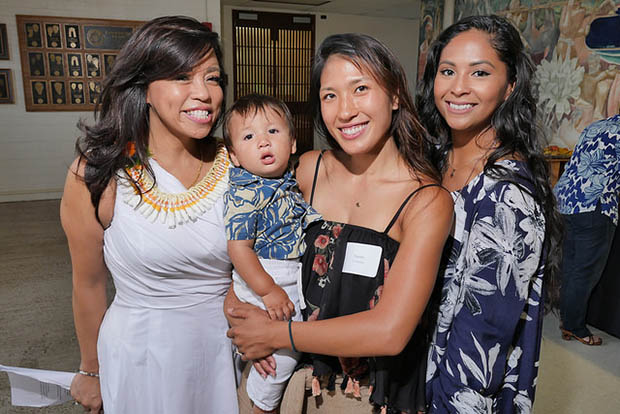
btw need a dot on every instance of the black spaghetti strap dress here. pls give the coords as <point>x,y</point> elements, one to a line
<point>334,285</point>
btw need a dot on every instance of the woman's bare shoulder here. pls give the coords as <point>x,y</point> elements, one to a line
<point>430,198</point>
<point>305,170</point>
<point>76,197</point>
<point>78,167</point>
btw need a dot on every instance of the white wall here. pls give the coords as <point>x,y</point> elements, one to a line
<point>37,147</point>
<point>400,35</point>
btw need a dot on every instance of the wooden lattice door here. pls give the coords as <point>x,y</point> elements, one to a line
<point>272,55</point>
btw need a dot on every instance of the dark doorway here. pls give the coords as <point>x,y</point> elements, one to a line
<point>272,55</point>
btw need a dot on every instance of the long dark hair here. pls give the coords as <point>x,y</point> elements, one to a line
<point>367,53</point>
<point>163,48</point>
<point>514,122</point>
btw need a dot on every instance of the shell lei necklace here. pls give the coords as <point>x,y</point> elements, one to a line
<point>176,208</point>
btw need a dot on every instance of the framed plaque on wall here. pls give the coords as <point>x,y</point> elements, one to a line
<point>65,59</point>
<point>6,87</point>
<point>4,43</point>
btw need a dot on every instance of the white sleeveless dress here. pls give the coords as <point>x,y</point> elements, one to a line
<point>162,345</point>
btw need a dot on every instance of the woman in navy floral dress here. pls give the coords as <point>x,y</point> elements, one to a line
<point>503,264</point>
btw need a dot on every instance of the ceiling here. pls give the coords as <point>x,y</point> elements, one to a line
<point>402,9</point>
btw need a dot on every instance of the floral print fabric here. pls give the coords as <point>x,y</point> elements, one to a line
<point>397,381</point>
<point>270,211</point>
<point>325,245</point>
<point>593,173</point>
<point>485,349</point>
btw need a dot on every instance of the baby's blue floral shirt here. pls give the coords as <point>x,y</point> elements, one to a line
<point>593,172</point>
<point>270,211</point>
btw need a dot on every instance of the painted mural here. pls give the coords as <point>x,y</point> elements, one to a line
<point>576,48</point>
<point>430,27</point>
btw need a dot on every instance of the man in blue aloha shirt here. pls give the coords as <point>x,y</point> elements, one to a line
<point>587,195</point>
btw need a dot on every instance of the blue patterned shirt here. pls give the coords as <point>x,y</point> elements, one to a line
<point>485,350</point>
<point>593,173</point>
<point>270,211</point>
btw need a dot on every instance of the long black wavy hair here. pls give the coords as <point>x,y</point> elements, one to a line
<point>163,48</point>
<point>370,55</point>
<point>514,122</point>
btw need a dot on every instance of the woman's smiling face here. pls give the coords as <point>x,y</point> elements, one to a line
<point>188,106</point>
<point>355,108</point>
<point>471,82</point>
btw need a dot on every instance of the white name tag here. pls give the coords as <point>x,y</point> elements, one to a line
<point>362,259</point>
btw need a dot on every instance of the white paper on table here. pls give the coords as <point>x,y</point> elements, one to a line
<point>38,387</point>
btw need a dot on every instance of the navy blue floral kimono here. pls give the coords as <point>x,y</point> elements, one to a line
<point>485,350</point>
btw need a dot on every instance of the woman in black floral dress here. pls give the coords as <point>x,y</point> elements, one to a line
<point>371,265</point>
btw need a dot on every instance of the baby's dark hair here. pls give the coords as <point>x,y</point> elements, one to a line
<point>250,105</point>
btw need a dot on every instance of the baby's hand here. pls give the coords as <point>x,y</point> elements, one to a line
<point>278,305</point>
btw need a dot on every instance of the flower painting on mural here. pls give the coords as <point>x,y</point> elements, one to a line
<point>558,83</point>
<point>575,46</point>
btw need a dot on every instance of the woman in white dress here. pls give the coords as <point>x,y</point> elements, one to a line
<point>143,202</point>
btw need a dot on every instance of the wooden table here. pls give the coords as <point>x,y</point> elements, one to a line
<point>556,165</point>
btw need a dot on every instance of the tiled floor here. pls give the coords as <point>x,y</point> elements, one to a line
<point>575,378</point>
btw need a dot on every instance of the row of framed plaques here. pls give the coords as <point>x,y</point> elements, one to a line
<point>65,59</point>
<point>75,65</point>
<point>60,92</point>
